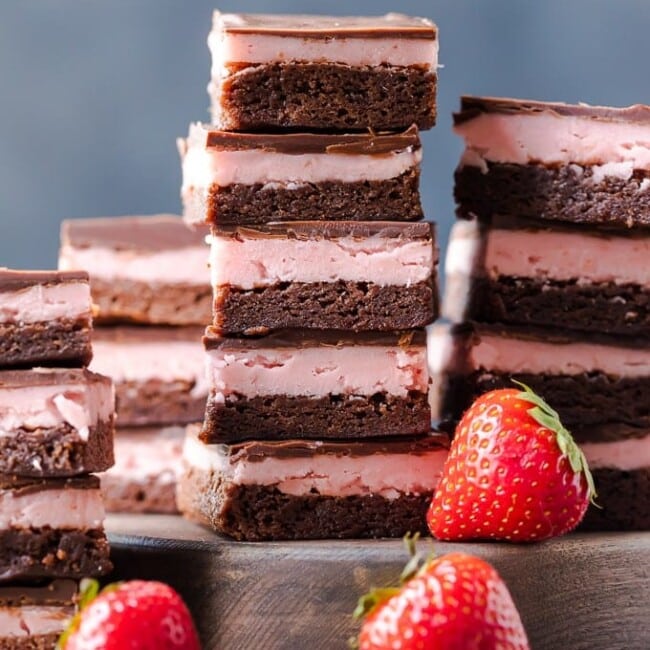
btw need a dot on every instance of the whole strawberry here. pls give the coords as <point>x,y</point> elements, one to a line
<point>131,615</point>
<point>455,602</point>
<point>513,473</point>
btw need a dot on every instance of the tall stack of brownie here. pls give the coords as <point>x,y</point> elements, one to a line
<point>56,429</point>
<point>148,279</point>
<point>550,266</point>
<point>324,276</point>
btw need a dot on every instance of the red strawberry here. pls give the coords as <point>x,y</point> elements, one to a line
<point>131,615</point>
<point>455,602</point>
<point>513,473</point>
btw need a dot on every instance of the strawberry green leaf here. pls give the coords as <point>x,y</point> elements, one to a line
<point>372,599</point>
<point>549,418</point>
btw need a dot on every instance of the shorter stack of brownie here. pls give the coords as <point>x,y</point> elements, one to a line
<point>324,276</point>
<point>550,270</point>
<point>148,282</point>
<point>56,428</point>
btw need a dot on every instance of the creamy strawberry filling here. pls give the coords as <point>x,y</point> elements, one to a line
<point>257,262</point>
<point>34,407</point>
<point>33,620</point>
<point>57,508</point>
<point>46,302</point>
<point>387,475</point>
<point>551,139</point>
<point>624,455</point>
<point>317,371</point>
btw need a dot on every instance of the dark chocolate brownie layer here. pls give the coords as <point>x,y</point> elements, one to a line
<point>395,199</point>
<point>27,553</point>
<point>327,96</point>
<point>282,417</point>
<point>257,512</point>
<point>607,308</point>
<point>53,343</point>
<point>121,494</point>
<point>340,305</point>
<point>57,452</point>
<point>581,400</point>
<point>565,193</point>
<point>126,301</point>
<point>157,402</point>
<point>623,497</point>
<point>38,642</point>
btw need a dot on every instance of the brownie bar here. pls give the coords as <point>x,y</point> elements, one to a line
<point>58,451</point>
<point>607,308</point>
<point>326,96</point>
<point>357,306</point>
<point>559,194</point>
<point>282,417</point>
<point>623,497</point>
<point>37,642</point>
<point>581,400</point>
<point>147,495</point>
<point>259,513</point>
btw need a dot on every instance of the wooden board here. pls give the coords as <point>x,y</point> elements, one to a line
<point>579,592</point>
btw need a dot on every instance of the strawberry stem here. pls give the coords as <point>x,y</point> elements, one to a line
<point>550,418</point>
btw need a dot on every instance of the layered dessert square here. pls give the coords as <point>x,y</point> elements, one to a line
<point>33,616</point>
<point>518,272</point>
<point>159,373</point>
<point>316,385</point>
<point>301,489</point>
<point>150,269</point>
<point>51,528</point>
<point>322,72</point>
<point>55,422</point>
<point>558,162</point>
<point>253,178</point>
<point>148,462</point>
<point>45,318</point>
<point>372,275</point>
<point>589,381</point>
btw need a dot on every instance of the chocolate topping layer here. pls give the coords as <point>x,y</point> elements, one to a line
<point>256,451</point>
<point>12,280</point>
<point>22,486</point>
<point>369,143</point>
<point>134,334</point>
<point>330,230</point>
<point>289,338</point>
<point>49,377</point>
<point>54,592</point>
<point>148,233</point>
<point>391,25</point>
<point>472,107</point>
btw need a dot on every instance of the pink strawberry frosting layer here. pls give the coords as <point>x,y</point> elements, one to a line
<point>624,455</point>
<point>387,475</point>
<point>65,508</point>
<point>42,302</point>
<point>146,453</point>
<point>514,355</point>
<point>227,47</point>
<point>165,361</point>
<point>549,254</point>
<point>204,167</point>
<point>258,262</point>
<point>79,405</point>
<point>188,265</point>
<point>551,139</point>
<point>33,620</point>
<point>318,371</point>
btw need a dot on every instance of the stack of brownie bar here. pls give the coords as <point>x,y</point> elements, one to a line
<point>148,279</point>
<point>56,428</point>
<point>324,275</point>
<point>550,267</point>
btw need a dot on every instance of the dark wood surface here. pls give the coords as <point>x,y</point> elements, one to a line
<point>579,592</point>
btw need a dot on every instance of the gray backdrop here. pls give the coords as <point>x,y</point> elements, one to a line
<point>94,92</point>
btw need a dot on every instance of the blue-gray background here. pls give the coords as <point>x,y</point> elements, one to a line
<point>94,92</point>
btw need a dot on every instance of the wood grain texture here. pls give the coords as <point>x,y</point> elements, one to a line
<point>579,592</point>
